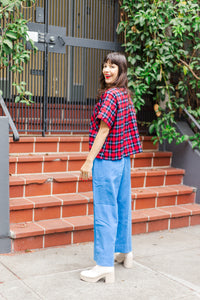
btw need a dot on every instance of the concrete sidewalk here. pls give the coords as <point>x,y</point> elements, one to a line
<point>166,266</point>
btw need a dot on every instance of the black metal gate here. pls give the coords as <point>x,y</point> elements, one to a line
<point>72,37</point>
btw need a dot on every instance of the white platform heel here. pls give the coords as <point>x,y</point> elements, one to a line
<point>125,258</point>
<point>97,273</point>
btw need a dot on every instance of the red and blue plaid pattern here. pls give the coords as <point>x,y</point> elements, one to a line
<point>115,109</point>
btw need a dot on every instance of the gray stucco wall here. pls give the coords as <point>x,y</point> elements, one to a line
<point>5,242</point>
<point>186,158</point>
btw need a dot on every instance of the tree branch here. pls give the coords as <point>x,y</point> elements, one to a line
<point>183,62</point>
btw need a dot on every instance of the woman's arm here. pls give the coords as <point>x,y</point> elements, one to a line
<point>96,147</point>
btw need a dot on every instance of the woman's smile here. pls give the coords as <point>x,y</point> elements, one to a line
<point>110,72</point>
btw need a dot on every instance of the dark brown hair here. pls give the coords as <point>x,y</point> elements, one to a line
<point>118,59</point>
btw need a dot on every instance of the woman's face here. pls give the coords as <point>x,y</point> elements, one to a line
<point>110,72</point>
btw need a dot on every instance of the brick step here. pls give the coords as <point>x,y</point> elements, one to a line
<point>33,209</point>
<point>64,162</point>
<point>59,144</point>
<point>53,144</point>
<point>69,182</point>
<point>72,230</point>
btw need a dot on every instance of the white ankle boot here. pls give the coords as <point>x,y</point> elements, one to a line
<point>97,273</point>
<point>125,258</point>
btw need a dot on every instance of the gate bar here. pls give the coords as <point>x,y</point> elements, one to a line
<point>45,70</point>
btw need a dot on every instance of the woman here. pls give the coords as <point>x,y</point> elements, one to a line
<point>113,137</point>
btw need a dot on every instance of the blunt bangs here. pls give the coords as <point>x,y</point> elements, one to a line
<point>118,59</point>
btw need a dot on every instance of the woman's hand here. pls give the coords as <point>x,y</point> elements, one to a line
<point>86,169</point>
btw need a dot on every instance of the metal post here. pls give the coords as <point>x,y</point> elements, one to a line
<point>70,51</point>
<point>46,53</point>
<point>5,242</point>
<point>10,120</point>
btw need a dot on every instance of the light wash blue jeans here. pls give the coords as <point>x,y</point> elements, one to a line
<point>112,209</point>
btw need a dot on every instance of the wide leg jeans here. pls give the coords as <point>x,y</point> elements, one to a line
<point>112,209</point>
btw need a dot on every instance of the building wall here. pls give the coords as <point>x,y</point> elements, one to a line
<point>186,158</point>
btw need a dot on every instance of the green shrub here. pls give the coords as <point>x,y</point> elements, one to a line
<point>162,42</point>
<point>13,39</point>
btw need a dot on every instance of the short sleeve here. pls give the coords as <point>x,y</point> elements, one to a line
<point>108,110</point>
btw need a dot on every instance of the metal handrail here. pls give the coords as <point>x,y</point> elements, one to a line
<point>10,120</point>
<point>192,118</point>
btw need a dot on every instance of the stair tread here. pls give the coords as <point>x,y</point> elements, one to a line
<point>161,191</point>
<point>56,144</point>
<point>51,226</point>
<point>44,163</point>
<point>47,201</point>
<point>80,198</point>
<point>23,157</point>
<point>70,138</point>
<point>194,208</point>
<point>149,215</point>
<point>41,178</point>
<point>86,222</point>
<point>168,171</point>
<point>166,212</point>
<point>176,211</point>
<point>67,176</point>
<point>25,139</point>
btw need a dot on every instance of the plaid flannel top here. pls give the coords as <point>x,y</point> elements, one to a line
<point>115,109</point>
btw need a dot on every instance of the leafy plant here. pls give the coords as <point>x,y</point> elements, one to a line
<point>162,41</point>
<point>13,39</point>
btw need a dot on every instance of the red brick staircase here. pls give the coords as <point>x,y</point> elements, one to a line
<point>51,206</point>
